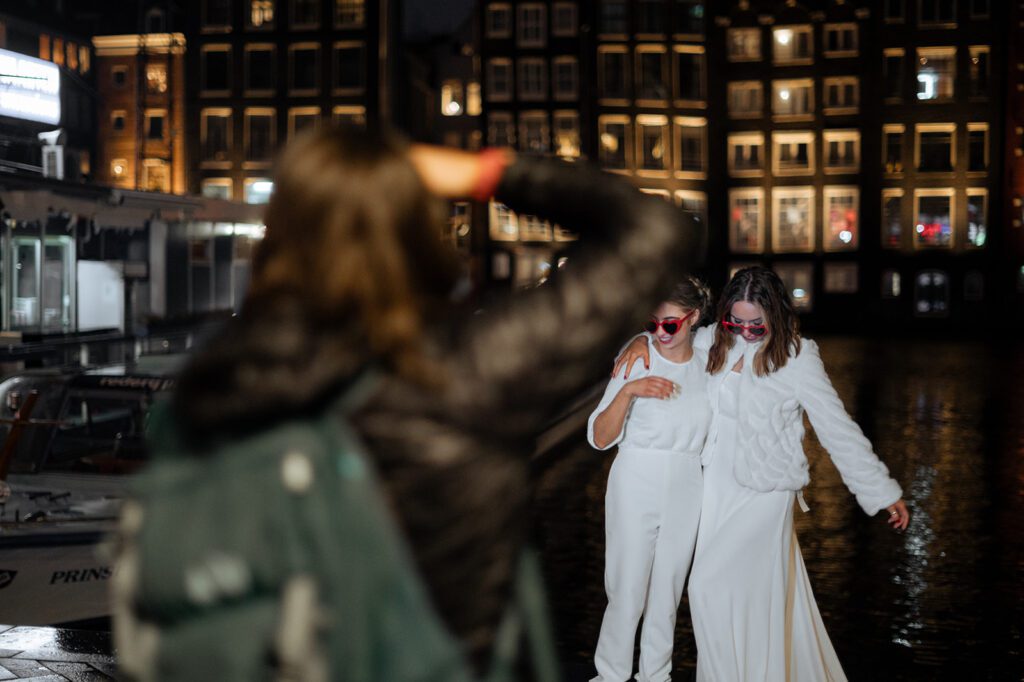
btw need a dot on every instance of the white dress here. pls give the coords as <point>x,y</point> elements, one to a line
<point>652,508</point>
<point>754,614</point>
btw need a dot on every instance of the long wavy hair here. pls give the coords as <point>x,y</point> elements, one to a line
<point>350,267</point>
<point>763,287</point>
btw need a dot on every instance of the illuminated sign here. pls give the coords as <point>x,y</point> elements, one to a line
<point>29,88</point>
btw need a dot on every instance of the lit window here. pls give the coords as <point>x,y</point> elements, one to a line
<point>979,71</point>
<point>533,229</point>
<point>650,17</point>
<point>156,78</point>
<point>564,19</point>
<point>499,80</point>
<point>215,135</point>
<point>746,154</point>
<point>746,99</point>
<point>349,13</point>
<point>977,217</point>
<point>694,204</point>
<point>260,14</point>
<point>613,72</point>
<point>792,219</point>
<point>473,106</point>
<point>302,118</point>
<point>793,98</point>
<point>260,134</point>
<point>500,130</point>
<point>259,68</point>
<point>72,54</point>
<point>451,98</point>
<point>892,147</point>
<point>938,13</point>
<point>156,175</point>
<point>743,44</point>
<point>842,95</point>
<point>977,147</point>
<point>612,17</point>
<point>498,21</point>
<point>215,61</point>
<point>799,281</point>
<point>793,153</point>
<point>689,74</point>
<point>840,278</point>
<point>565,74</point>
<point>746,220</point>
<point>933,211</point>
<point>58,51</point>
<point>216,188</point>
<point>935,147</point>
<point>936,73</point>
<point>533,131</point>
<point>567,134</point>
<point>258,190</point>
<point>504,223</point>
<point>691,146</point>
<point>84,59</point>
<point>349,67</point>
<point>892,218</point>
<point>892,73</point>
<point>304,68</point>
<point>613,138</point>
<point>689,19</point>
<point>841,40</point>
<point>651,73</point>
<point>792,45</point>
<point>349,116</point>
<point>44,47</point>
<point>652,142</point>
<point>533,79</point>
<point>890,284</point>
<point>119,169</point>
<point>531,25</point>
<point>842,151</point>
<point>931,294</point>
<point>841,218</point>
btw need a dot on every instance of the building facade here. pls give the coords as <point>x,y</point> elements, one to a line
<point>261,71</point>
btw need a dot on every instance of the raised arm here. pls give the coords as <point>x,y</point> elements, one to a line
<point>862,472</point>
<point>534,351</point>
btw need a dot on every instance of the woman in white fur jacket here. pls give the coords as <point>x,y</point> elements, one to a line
<point>754,614</point>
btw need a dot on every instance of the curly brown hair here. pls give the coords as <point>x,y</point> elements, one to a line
<point>763,287</point>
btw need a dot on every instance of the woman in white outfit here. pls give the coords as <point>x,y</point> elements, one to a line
<point>754,614</point>
<point>652,504</point>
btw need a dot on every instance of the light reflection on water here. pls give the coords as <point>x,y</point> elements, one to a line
<point>945,600</point>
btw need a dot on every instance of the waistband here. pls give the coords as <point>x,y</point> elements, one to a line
<point>655,451</point>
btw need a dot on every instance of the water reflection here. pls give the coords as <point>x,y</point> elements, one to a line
<point>942,601</point>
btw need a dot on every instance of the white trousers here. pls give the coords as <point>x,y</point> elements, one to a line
<point>652,509</point>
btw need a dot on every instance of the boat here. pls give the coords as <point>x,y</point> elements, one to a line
<point>71,441</point>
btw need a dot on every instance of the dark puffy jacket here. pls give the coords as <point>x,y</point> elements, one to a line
<point>453,461</point>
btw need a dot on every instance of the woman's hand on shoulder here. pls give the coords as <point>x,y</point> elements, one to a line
<point>637,350</point>
<point>448,172</point>
<point>651,387</point>
<point>899,516</point>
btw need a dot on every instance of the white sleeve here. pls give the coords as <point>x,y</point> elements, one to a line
<point>615,385</point>
<point>704,337</point>
<point>862,472</point>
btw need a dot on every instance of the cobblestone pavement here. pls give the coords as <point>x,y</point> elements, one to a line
<point>40,654</point>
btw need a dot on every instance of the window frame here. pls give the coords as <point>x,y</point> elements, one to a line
<point>638,63</point>
<point>510,125</point>
<point>570,31</point>
<point>841,135</point>
<point>754,85</point>
<point>701,53</point>
<point>902,81</point>
<point>627,152</point>
<point>793,137</point>
<point>347,45</point>
<point>828,192</point>
<point>935,128</point>
<point>843,53</point>
<point>541,68</point>
<point>490,94</point>
<point>565,115</point>
<point>797,192</point>
<point>927,25</point>
<point>975,192</point>
<point>494,8</point>
<point>745,57</point>
<point>294,25</point>
<point>317,69</point>
<point>542,25</point>
<point>679,124</point>
<point>796,29</point>
<point>248,49</point>
<point>150,113</point>
<point>204,130</point>
<point>973,128</point>
<point>643,122</point>
<point>627,75</point>
<point>534,115</point>
<point>887,129</point>
<point>757,193</point>
<point>295,112</point>
<point>923,192</point>
<point>889,192</point>
<point>933,52</point>
<point>807,83</point>
<point>737,139</point>
<point>845,107</point>
<point>247,114</point>
<point>558,94</point>
<point>205,50</point>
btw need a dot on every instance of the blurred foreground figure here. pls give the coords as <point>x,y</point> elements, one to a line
<point>340,488</point>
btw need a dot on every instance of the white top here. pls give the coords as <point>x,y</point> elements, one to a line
<point>770,426</point>
<point>679,424</point>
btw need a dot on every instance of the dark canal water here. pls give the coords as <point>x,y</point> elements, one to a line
<point>943,601</point>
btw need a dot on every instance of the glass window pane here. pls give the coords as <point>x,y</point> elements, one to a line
<point>933,226</point>
<point>892,220</point>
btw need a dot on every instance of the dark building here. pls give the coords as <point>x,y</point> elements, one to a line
<point>1012,264</point>
<point>854,147</point>
<point>260,71</point>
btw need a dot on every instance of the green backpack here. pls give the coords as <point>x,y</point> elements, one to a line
<point>276,558</point>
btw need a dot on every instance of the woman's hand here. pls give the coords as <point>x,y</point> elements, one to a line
<point>650,387</point>
<point>448,172</point>
<point>637,349</point>
<point>899,517</point>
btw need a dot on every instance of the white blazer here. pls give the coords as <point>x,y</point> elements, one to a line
<point>771,426</point>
